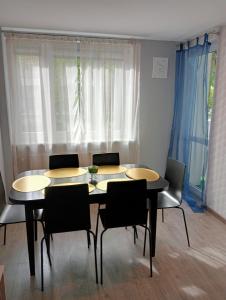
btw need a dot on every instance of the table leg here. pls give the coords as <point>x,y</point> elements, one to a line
<point>153,219</point>
<point>30,238</point>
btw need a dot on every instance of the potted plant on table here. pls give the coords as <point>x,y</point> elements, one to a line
<point>93,170</point>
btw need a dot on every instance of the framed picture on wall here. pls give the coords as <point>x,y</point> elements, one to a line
<point>160,67</point>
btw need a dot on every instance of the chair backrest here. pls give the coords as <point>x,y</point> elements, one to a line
<point>102,159</point>
<point>126,203</point>
<point>63,161</point>
<point>2,195</point>
<point>175,171</point>
<point>66,208</point>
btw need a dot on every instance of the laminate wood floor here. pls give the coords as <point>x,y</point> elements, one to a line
<point>179,273</point>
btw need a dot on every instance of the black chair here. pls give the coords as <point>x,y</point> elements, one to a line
<point>73,201</point>
<point>63,161</point>
<point>126,205</point>
<point>106,159</point>
<point>12,214</point>
<point>102,159</point>
<point>111,158</point>
<point>58,161</point>
<point>172,198</point>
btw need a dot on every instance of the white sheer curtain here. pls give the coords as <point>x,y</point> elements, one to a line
<point>216,184</point>
<point>70,95</point>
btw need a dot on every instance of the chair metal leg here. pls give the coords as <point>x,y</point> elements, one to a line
<point>95,254</point>
<point>43,228</point>
<point>145,236</point>
<point>97,222</point>
<point>101,251</point>
<point>36,229</point>
<point>134,235</point>
<point>47,239</point>
<point>5,233</point>
<point>135,232</point>
<point>150,246</point>
<point>150,252</point>
<point>88,239</point>
<point>101,256</point>
<point>185,224</point>
<point>163,215</point>
<point>42,275</point>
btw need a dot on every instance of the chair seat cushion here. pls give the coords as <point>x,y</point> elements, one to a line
<point>167,199</point>
<point>12,214</point>
<point>16,214</point>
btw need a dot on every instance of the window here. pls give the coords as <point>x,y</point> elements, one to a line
<point>196,180</point>
<point>68,94</point>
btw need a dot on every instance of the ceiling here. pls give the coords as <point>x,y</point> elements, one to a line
<point>172,20</point>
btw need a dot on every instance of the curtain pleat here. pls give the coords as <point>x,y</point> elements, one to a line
<point>72,96</point>
<point>189,135</point>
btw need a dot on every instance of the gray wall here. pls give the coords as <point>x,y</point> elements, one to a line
<point>157,100</point>
<point>2,171</point>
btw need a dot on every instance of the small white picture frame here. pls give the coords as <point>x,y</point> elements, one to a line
<point>160,67</point>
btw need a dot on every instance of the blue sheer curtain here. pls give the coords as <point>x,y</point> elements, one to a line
<point>189,135</point>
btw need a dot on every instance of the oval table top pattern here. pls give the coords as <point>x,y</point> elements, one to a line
<point>102,185</point>
<point>65,172</point>
<point>31,183</point>
<point>142,173</point>
<point>108,170</point>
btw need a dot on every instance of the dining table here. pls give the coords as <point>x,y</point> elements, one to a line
<point>35,199</point>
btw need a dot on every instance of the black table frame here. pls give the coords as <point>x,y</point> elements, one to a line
<point>35,200</point>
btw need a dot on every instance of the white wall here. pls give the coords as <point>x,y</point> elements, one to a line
<point>216,187</point>
<point>157,100</point>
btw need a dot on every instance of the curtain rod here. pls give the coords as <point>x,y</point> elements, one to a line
<point>212,36</point>
<point>70,33</point>
<point>214,32</point>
